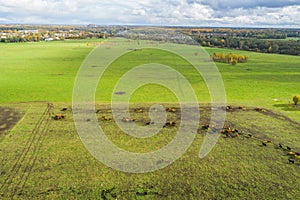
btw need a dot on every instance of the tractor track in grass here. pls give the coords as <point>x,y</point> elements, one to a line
<point>16,179</point>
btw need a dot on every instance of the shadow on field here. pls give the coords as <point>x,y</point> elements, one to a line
<point>8,119</point>
<point>287,107</point>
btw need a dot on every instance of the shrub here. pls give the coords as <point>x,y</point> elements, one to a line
<point>296,99</point>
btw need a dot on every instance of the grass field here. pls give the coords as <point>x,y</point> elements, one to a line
<point>47,71</point>
<point>41,158</point>
<point>44,70</point>
<point>293,38</point>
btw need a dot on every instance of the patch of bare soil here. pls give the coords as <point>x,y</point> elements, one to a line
<point>8,119</point>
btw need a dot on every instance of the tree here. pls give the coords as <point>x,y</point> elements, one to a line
<point>230,58</point>
<point>234,62</point>
<point>296,99</point>
<point>275,48</point>
<point>270,50</point>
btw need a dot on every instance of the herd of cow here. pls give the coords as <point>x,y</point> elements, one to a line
<point>228,132</point>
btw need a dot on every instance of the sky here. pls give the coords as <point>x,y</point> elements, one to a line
<point>225,13</point>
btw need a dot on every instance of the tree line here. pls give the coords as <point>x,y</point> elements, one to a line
<point>35,33</point>
<point>16,36</point>
<point>229,58</point>
<point>280,41</point>
<point>290,47</point>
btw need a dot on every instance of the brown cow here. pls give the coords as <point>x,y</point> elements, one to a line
<point>59,117</point>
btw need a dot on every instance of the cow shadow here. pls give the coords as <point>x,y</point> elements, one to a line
<point>288,107</point>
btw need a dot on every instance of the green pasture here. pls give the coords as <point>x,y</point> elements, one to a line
<point>46,72</point>
<point>40,71</point>
<point>292,38</point>
<point>43,158</point>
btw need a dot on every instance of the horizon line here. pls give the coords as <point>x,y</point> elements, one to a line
<point>152,25</point>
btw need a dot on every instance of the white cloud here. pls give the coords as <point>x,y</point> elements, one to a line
<point>156,12</point>
<point>139,12</point>
<point>248,4</point>
<point>4,20</point>
<point>262,16</point>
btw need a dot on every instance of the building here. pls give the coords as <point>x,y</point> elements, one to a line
<point>29,31</point>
